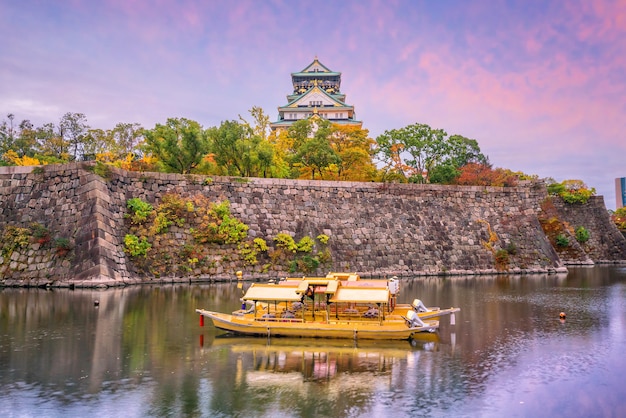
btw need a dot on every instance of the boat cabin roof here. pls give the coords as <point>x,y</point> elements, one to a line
<point>360,295</point>
<point>358,291</point>
<point>272,292</point>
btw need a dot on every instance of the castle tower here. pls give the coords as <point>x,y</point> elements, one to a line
<point>316,92</point>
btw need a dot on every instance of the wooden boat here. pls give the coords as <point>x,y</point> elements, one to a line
<point>340,305</point>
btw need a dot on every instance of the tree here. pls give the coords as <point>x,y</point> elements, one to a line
<point>97,142</point>
<point>233,148</point>
<point>51,143</point>
<point>417,151</point>
<point>461,151</point>
<point>354,148</point>
<point>315,155</point>
<point>21,139</point>
<point>310,149</point>
<point>127,138</point>
<point>73,128</point>
<point>261,120</point>
<point>25,144</point>
<point>477,174</point>
<point>7,134</point>
<point>179,144</point>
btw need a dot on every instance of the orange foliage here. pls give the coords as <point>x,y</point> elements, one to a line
<point>475,174</point>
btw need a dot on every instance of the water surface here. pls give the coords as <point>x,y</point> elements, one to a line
<point>141,352</point>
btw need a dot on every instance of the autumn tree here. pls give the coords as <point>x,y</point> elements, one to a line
<point>477,174</point>
<point>179,145</point>
<point>417,152</point>
<point>354,148</point>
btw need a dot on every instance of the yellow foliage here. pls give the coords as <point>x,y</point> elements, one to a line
<point>493,237</point>
<point>11,157</point>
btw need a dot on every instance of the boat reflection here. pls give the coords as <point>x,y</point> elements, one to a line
<point>287,362</point>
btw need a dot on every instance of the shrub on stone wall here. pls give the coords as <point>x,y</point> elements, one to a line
<point>562,240</point>
<point>502,259</point>
<point>582,234</point>
<point>619,218</point>
<point>40,233</point>
<point>14,238</point>
<point>62,245</point>
<point>139,210</point>
<point>135,246</point>
<point>572,191</point>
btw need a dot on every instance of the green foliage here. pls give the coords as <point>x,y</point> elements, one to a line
<point>582,234</point>
<point>260,244</point>
<point>249,251</point>
<point>417,152</point>
<point>316,154</point>
<point>101,169</point>
<point>502,258</point>
<point>324,256</point>
<point>286,242</point>
<point>171,210</point>
<point>235,148</point>
<point>577,196</point>
<point>136,247</point>
<point>562,240</point>
<point>62,245</point>
<point>556,188</point>
<point>179,145</point>
<point>572,191</point>
<point>40,233</point>
<point>305,264</point>
<point>306,244</point>
<point>139,209</point>
<point>161,223</point>
<point>619,218</point>
<point>323,238</point>
<point>511,248</point>
<point>13,238</point>
<point>218,226</point>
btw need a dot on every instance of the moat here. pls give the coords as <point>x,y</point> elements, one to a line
<point>141,352</point>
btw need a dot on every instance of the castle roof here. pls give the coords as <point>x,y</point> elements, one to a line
<point>315,68</point>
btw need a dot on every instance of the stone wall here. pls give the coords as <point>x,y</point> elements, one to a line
<point>375,229</point>
<point>606,243</point>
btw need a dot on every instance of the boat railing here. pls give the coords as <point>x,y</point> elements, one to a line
<point>277,319</point>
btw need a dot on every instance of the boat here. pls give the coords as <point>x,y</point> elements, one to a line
<point>340,305</point>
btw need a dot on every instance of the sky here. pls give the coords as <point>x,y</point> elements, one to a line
<point>541,85</point>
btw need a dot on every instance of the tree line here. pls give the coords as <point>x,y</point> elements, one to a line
<point>309,149</point>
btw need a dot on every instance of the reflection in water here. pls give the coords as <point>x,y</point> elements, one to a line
<point>141,352</point>
<point>314,377</point>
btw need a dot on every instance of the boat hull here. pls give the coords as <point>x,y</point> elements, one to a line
<point>370,330</point>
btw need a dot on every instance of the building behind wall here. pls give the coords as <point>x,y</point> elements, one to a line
<point>316,93</point>
<point>620,192</point>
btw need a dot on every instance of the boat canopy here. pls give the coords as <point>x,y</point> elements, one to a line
<point>271,293</point>
<point>360,295</point>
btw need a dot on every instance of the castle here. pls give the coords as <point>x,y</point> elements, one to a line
<point>316,93</point>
